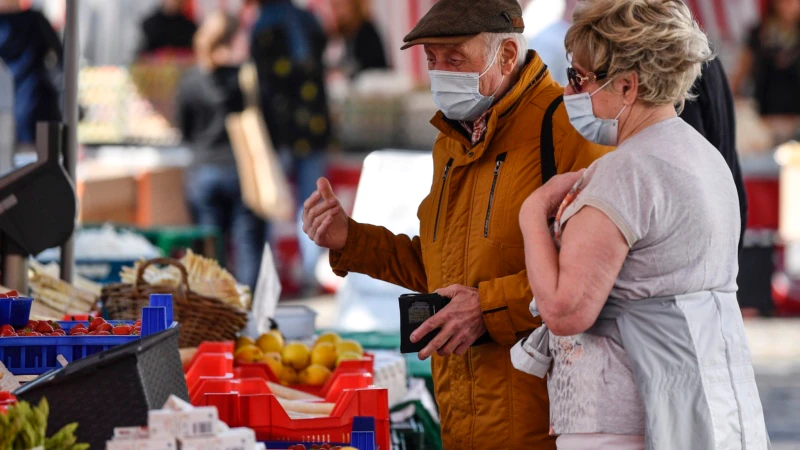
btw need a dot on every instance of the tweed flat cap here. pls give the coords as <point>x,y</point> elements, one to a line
<point>457,21</point>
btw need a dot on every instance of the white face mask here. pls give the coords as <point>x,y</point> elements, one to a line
<point>581,115</point>
<point>458,94</point>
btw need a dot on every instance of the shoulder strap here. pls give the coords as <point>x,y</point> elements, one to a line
<point>546,147</point>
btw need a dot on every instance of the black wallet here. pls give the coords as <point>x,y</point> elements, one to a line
<point>416,309</point>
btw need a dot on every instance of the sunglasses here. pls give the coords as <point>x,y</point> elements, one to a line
<point>576,80</point>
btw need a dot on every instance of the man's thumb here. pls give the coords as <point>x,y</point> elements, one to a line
<point>325,189</point>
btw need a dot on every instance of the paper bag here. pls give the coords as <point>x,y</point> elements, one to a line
<point>264,187</point>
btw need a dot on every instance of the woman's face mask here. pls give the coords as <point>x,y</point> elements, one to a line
<point>581,115</point>
<point>458,94</point>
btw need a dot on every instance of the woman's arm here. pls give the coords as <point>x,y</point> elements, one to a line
<point>570,286</point>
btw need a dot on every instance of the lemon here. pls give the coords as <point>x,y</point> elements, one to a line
<point>248,354</point>
<point>243,341</point>
<point>296,355</point>
<point>270,342</point>
<point>349,346</point>
<point>315,375</point>
<point>274,361</point>
<point>288,376</point>
<point>324,354</point>
<point>331,338</point>
<point>347,356</point>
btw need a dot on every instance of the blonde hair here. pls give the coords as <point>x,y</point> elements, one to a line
<point>218,30</point>
<point>657,39</point>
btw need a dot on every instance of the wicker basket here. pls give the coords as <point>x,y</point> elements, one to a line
<point>202,318</point>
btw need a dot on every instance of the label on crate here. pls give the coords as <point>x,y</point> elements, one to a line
<point>198,422</point>
<point>128,433</point>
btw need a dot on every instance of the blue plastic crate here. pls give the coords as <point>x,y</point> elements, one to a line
<point>36,355</point>
<point>362,438</point>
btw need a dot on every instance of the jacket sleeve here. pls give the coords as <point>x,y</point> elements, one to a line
<point>573,151</point>
<point>379,253</point>
<point>504,303</point>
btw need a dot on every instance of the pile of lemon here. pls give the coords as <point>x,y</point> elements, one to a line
<point>296,362</point>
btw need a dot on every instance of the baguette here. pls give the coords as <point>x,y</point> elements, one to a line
<point>323,409</point>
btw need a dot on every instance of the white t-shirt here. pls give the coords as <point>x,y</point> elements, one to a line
<point>673,198</point>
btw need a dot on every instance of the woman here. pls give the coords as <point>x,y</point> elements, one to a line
<point>646,336</point>
<point>206,96</point>
<point>363,45</point>
<point>772,60</point>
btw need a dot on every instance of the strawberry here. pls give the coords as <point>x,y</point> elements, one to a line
<point>7,333</point>
<point>12,294</point>
<point>7,328</point>
<point>59,332</point>
<point>43,327</point>
<point>92,333</point>
<point>78,333</point>
<point>105,327</point>
<point>96,323</point>
<point>104,333</point>
<point>122,330</point>
<point>54,324</point>
<point>32,324</point>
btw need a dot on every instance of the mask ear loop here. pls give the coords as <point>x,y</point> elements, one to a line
<point>490,66</point>
<point>620,113</point>
<point>491,63</point>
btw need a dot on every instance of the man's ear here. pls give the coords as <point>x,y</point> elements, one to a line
<point>509,55</point>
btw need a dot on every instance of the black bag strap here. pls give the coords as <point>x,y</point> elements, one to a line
<point>546,148</point>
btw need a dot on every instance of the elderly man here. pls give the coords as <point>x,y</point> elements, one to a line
<point>503,131</point>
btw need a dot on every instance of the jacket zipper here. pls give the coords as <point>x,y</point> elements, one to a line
<point>501,158</point>
<point>441,196</point>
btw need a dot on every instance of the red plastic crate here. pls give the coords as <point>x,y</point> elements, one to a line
<point>361,366</point>
<point>264,414</point>
<point>215,360</point>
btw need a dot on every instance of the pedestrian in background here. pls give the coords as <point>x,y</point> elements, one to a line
<point>287,47</point>
<point>167,28</point>
<point>772,61</point>
<point>33,54</point>
<point>363,45</point>
<point>207,95</point>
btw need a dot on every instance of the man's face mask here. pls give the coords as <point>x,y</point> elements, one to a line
<point>581,115</point>
<point>458,94</point>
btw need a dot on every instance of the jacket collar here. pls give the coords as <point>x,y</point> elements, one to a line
<point>529,83</point>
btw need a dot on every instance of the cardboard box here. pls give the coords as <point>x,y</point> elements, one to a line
<point>106,197</point>
<point>161,199</point>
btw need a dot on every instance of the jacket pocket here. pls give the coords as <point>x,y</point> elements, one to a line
<point>501,158</point>
<point>441,197</point>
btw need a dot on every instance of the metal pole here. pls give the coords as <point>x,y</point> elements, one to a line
<point>71,63</point>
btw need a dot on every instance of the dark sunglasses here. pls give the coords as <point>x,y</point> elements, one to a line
<point>576,80</point>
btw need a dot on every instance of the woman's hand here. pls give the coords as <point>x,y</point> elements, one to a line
<point>548,198</point>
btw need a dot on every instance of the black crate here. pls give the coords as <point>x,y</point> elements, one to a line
<point>114,388</point>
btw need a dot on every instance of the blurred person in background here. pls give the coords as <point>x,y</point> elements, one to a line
<point>363,45</point>
<point>167,28</point>
<point>772,61</point>
<point>549,43</point>
<point>287,47</point>
<point>207,94</point>
<point>33,54</point>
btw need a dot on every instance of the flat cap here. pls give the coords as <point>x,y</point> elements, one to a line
<point>457,21</point>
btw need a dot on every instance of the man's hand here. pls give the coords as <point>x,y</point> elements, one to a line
<point>324,219</point>
<point>460,323</point>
